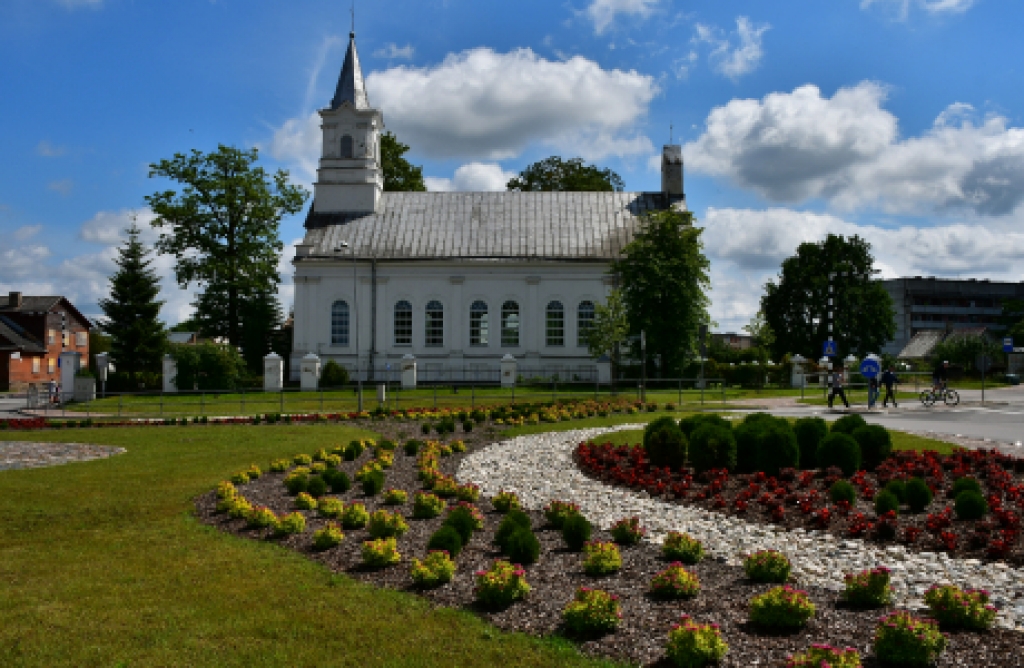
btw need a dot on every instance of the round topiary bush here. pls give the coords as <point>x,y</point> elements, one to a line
<point>448,539</point>
<point>522,546</point>
<point>919,495</point>
<point>692,423</point>
<point>838,449</point>
<point>809,433</point>
<point>748,441</point>
<point>665,443</point>
<point>713,447</point>
<point>515,519</point>
<point>898,489</point>
<point>576,532</point>
<point>842,490</point>
<point>316,487</point>
<point>965,484</point>
<point>373,483</point>
<point>296,483</point>
<point>875,445</point>
<point>333,375</point>
<point>886,501</point>
<point>970,505</point>
<point>777,448</point>
<point>848,424</point>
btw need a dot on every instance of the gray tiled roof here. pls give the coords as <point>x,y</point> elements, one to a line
<point>38,304</point>
<point>493,225</point>
<point>12,335</point>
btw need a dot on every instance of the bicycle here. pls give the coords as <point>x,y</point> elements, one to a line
<point>948,396</point>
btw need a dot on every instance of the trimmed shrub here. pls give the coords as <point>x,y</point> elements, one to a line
<point>898,488</point>
<point>970,505</point>
<point>767,566</point>
<point>713,447</point>
<point>957,608</point>
<point>675,582</point>
<point>461,519</point>
<point>841,450</point>
<point>665,443</point>
<point>692,645</point>
<point>682,547</point>
<point>777,448</point>
<point>383,524</point>
<point>842,490</point>
<point>330,507</point>
<point>447,539</point>
<point>412,446</point>
<point>601,559</point>
<point>505,501</point>
<point>781,608</point>
<point>261,517</point>
<point>296,483</point>
<point>316,487</point>
<point>557,512</point>
<point>354,516</point>
<point>692,423</point>
<point>395,497</point>
<point>627,531</point>
<point>868,589</point>
<point>380,553</point>
<point>373,483</point>
<point>327,537</point>
<point>919,495</point>
<point>886,501</point>
<point>848,424</point>
<point>809,433</point>
<point>279,465</point>
<point>875,445</point>
<point>904,640</point>
<point>305,501</point>
<point>513,521</point>
<point>426,505</point>
<point>290,524</point>
<point>434,571</point>
<point>965,484</point>
<point>592,612</point>
<point>501,585</point>
<point>339,482</point>
<point>576,532</point>
<point>825,655</point>
<point>522,546</point>
<point>748,436</point>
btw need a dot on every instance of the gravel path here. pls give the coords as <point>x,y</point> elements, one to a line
<point>27,455</point>
<point>540,468</point>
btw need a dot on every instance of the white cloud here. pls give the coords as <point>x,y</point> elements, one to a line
<point>472,177</point>
<point>901,8</point>
<point>603,12</point>
<point>62,187</point>
<point>736,55</point>
<point>108,227</point>
<point>392,51</point>
<point>487,105</point>
<point>297,143</point>
<point>26,232</point>
<point>48,150</point>
<point>846,149</point>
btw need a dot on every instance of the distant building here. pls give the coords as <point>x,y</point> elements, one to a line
<point>940,306</point>
<point>734,341</point>
<point>33,333</point>
<point>183,338</point>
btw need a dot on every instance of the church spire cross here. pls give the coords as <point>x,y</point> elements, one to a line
<point>351,88</point>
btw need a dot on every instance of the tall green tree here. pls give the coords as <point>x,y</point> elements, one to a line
<point>555,174</point>
<point>610,329</point>
<point>399,174</point>
<point>665,283</point>
<point>762,333</point>
<point>132,311</point>
<point>222,228</point>
<point>1013,320</point>
<point>796,305</point>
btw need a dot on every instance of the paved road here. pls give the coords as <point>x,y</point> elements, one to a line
<point>9,406</point>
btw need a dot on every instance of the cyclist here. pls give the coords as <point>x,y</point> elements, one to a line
<point>940,377</point>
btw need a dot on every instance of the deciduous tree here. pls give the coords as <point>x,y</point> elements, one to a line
<point>399,174</point>
<point>555,174</point>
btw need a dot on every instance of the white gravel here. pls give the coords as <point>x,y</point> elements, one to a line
<point>539,468</point>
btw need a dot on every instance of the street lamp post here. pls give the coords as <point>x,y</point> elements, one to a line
<point>355,310</point>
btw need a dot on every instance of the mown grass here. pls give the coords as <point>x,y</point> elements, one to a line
<point>102,564</point>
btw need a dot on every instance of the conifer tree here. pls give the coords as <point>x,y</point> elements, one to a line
<point>132,311</point>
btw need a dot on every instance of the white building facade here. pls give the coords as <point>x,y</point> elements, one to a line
<point>457,280</point>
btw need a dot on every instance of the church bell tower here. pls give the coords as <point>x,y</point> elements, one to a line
<point>350,179</point>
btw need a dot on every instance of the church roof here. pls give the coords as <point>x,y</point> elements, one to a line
<point>350,83</point>
<point>487,225</point>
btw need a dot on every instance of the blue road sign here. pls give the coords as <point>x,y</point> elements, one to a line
<point>870,368</point>
<point>1008,345</point>
<point>829,349</point>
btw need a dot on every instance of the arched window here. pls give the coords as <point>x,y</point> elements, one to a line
<point>584,322</point>
<point>339,323</point>
<point>510,324</point>
<point>403,323</point>
<point>434,330</point>
<point>479,324</point>
<point>346,146</point>
<point>554,330</point>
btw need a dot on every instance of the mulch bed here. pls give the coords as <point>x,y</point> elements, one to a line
<point>554,579</point>
<point>796,498</point>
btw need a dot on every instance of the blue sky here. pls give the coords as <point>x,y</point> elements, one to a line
<point>899,120</point>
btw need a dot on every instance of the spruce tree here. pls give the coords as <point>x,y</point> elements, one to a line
<point>132,311</point>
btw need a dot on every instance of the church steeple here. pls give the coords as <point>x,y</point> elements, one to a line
<point>350,84</point>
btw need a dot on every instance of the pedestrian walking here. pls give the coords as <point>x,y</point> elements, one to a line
<point>836,387</point>
<point>889,381</point>
<point>872,392</point>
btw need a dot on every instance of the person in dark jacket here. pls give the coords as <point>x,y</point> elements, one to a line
<point>889,382</point>
<point>836,387</point>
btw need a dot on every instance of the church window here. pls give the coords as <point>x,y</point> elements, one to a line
<point>346,146</point>
<point>555,324</point>
<point>403,323</point>
<point>434,325</point>
<point>510,324</point>
<point>339,323</point>
<point>478,324</point>
<point>584,322</point>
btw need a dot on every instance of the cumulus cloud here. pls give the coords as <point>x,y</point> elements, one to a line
<point>26,232</point>
<point>62,187</point>
<point>48,150</point>
<point>901,8</point>
<point>747,247</point>
<point>791,147</point>
<point>737,54</point>
<point>108,227</point>
<point>472,177</point>
<point>603,12</point>
<point>392,51</point>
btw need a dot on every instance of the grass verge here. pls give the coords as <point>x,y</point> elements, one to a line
<point>102,564</point>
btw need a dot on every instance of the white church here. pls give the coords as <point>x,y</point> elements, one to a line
<point>457,280</point>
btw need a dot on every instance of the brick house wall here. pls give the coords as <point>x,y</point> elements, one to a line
<point>45,327</point>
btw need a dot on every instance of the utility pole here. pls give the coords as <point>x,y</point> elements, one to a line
<point>643,367</point>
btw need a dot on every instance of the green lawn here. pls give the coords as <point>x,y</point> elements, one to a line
<point>102,564</point>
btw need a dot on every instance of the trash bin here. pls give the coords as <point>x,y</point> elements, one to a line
<point>1013,379</point>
